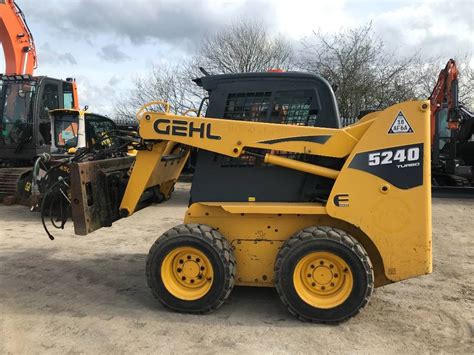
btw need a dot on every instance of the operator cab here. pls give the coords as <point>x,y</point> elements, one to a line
<point>77,129</point>
<point>25,102</point>
<point>273,97</point>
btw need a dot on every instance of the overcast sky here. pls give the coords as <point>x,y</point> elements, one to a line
<point>105,44</point>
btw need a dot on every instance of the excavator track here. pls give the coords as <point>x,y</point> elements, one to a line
<point>9,179</point>
<point>458,192</point>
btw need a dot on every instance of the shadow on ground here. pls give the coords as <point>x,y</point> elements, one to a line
<point>111,285</point>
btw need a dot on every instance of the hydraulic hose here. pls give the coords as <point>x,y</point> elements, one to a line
<point>44,157</point>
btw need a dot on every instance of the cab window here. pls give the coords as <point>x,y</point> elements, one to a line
<point>68,97</point>
<point>49,101</point>
<point>66,128</point>
<point>97,128</point>
<point>293,107</point>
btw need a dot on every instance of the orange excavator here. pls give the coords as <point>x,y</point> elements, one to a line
<point>25,100</point>
<point>452,129</point>
<point>40,120</point>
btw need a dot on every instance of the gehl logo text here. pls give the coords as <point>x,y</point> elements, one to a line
<point>184,128</point>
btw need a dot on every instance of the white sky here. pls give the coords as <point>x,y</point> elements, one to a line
<point>105,44</point>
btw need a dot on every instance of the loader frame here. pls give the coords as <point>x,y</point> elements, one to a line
<point>381,196</point>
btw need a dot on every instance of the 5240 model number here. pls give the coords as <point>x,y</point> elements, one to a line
<point>410,157</point>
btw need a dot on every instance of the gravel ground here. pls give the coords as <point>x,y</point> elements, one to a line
<point>89,295</point>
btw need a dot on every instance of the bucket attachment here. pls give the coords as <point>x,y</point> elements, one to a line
<point>98,187</point>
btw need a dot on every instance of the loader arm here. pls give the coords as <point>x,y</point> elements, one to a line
<point>232,138</point>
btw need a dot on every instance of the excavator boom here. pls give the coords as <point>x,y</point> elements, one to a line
<point>17,40</point>
<point>19,46</point>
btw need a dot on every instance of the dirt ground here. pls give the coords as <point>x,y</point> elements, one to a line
<point>89,295</point>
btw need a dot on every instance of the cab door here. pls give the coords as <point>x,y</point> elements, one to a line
<point>50,98</point>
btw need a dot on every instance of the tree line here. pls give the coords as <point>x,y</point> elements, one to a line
<point>362,72</point>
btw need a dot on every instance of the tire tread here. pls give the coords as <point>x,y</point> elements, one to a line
<point>334,234</point>
<point>207,235</point>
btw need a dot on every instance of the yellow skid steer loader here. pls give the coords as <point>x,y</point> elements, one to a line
<point>281,196</point>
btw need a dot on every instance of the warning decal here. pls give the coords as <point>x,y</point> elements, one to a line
<point>400,125</point>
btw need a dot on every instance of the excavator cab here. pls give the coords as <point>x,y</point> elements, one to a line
<point>25,121</point>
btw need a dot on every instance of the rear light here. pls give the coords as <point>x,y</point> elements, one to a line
<point>275,70</point>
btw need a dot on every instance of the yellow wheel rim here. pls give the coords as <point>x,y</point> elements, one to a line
<point>323,280</point>
<point>187,273</point>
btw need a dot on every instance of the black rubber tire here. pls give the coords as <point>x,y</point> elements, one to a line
<point>214,246</point>
<point>330,240</point>
<point>160,197</point>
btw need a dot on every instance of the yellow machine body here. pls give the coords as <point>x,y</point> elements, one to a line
<point>391,220</point>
